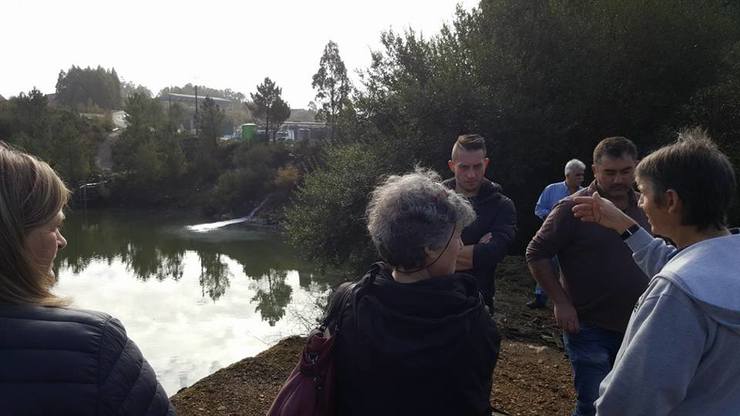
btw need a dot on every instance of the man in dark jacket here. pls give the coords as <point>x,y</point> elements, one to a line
<point>488,238</point>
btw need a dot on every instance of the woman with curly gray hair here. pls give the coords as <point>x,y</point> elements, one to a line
<point>415,336</point>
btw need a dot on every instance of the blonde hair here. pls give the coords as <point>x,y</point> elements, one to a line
<point>31,195</point>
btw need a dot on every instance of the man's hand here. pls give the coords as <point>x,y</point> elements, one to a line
<point>485,239</point>
<point>566,317</point>
<point>601,211</point>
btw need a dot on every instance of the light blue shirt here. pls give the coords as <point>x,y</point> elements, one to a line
<point>552,194</point>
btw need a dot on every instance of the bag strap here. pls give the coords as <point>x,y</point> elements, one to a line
<point>337,305</point>
<point>343,295</point>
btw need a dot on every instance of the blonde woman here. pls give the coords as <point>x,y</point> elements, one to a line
<point>57,360</point>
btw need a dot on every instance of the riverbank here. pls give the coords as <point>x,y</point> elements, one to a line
<point>532,376</point>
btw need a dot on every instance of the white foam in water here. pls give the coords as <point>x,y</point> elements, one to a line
<point>204,228</point>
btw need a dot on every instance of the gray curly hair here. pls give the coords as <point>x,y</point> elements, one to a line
<point>410,213</point>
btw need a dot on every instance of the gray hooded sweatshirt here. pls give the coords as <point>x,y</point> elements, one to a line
<point>681,352</point>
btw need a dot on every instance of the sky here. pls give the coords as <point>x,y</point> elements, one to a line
<point>217,43</point>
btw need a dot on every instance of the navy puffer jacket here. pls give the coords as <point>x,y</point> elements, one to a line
<point>58,361</point>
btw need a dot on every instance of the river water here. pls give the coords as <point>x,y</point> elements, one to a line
<point>193,301</point>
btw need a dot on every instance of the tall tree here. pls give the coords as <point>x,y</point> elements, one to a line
<point>210,122</point>
<point>149,149</point>
<point>332,86</point>
<point>56,135</point>
<point>268,105</point>
<point>279,112</point>
<point>89,88</point>
<point>210,128</point>
<point>129,88</point>
<point>136,152</point>
<point>523,75</point>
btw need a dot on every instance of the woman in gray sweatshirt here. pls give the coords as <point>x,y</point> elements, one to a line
<point>680,352</point>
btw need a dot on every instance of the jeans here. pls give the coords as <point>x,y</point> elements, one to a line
<point>539,294</point>
<point>591,352</point>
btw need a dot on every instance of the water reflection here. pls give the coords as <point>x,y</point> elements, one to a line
<point>273,297</point>
<point>194,302</point>
<point>150,250</point>
<point>214,275</point>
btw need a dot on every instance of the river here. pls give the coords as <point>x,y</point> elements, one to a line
<point>193,301</point>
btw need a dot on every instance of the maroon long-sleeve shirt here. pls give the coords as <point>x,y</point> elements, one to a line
<point>598,272</point>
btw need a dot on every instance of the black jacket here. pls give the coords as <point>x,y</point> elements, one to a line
<point>425,348</point>
<point>58,361</point>
<point>495,214</point>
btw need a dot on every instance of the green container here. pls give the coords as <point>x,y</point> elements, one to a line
<point>249,131</point>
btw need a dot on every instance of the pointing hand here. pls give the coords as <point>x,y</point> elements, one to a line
<point>601,211</point>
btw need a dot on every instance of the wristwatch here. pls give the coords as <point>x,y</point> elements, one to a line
<point>630,231</point>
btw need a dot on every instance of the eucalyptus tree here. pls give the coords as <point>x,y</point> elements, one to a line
<point>332,86</point>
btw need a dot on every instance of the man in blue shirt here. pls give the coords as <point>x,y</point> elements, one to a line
<point>550,196</point>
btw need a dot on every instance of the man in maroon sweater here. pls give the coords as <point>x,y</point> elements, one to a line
<point>600,283</point>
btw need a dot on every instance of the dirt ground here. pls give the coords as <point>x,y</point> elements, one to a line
<point>532,376</point>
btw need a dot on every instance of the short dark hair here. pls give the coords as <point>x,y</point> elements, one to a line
<point>701,175</point>
<point>615,147</point>
<point>470,142</point>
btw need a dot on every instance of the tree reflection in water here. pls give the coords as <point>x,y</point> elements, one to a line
<point>274,298</point>
<point>148,249</point>
<point>214,275</point>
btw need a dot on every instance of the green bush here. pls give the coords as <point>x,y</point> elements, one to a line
<point>327,217</point>
<point>543,81</point>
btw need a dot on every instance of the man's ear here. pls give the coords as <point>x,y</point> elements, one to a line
<point>593,169</point>
<point>451,165</point>
<point>673,201</point>
<point>486,161</point>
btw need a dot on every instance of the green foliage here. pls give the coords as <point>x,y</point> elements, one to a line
<point>156,161</point>
<point>717,108</point>
<point>327,218</point>
<point>62,138</point>
<point>177,116</point>
<point>267,105</point>
<point>89,88</point>
<point>129,88</point>
<point>210,125</point>
<point>332,86</point>
<point>143,113</point>
<point>149,150</point>
<point>279,112</point>
<point>543,81</point>
<point>254,174</point>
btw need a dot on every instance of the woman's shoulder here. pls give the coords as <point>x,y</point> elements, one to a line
<point>62,326</point>
<point>55,315</point>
